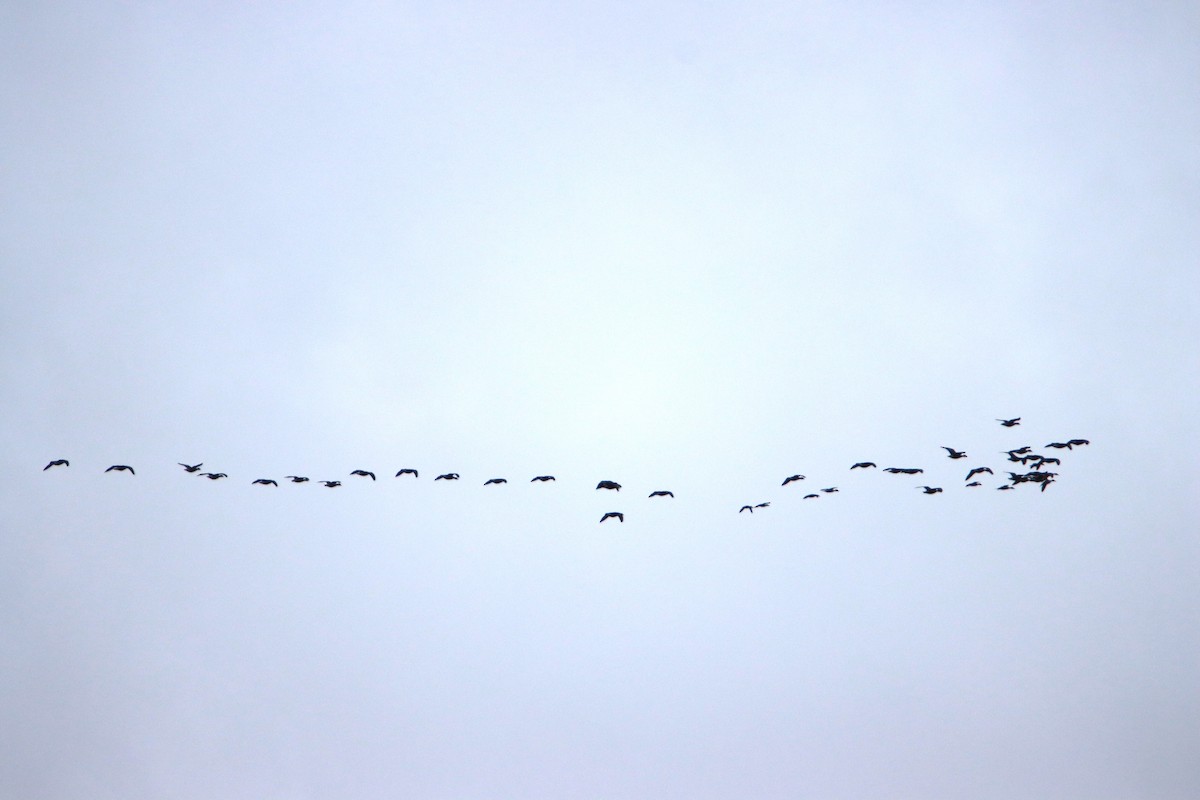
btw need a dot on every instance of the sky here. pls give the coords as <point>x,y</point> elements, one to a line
<point>691,247</point>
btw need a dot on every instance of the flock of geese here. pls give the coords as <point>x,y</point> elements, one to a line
<point>1034,463</point>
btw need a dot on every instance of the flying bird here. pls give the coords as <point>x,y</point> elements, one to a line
<point>661,493</point>
<point>607,485</point>
<point>407,471</point>
<point>811,496</point>
<point>978,471</point>
<point>746,508</point>
<point>449,476</point>
<point>266,482</point>
<point>620,517</point>
<point>495,480</point>
<point>296,478</point>
<point>1060,445</point>
<point>332,484</point>
<point>791,478</point>
<point>118,468</point>
<point>1008,423</point>
<point>1004,488</point>
<point>761,505</point>
<point>58,462</point>
<point>954,453</point>
<point>190,467</point>
<point>542,478</point>
<point>1078,441</point>
<point>904,470</point>
<point>213,476</point>
<point>974,483</point>
<point>862,465</point>
<point>930,489</point>
<point>364,473</point>
<point>1018,451</point>
<point>830,490</point>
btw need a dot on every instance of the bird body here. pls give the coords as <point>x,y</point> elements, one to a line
<point>542,478</point>
<point>954,453</point>
<point>830,490</point>
<point>609,485</point>
<point>661,493</point>
<point>58,462</point>
<point>495,480</point>
<point>791,478</point>
<point>332,484</point>
<point>619,516</point>
<point>1008,423</point>
<point>978,471</point>
<point>266,482</point>
<point>862,465</point>
<point>811,496</point>
<point>449,476</point>
<point>407,471</point>
<point>1078,441</point>
<point>930,489</point>
<point>213,476</point>
<point>118,468</point>
<point>974,483</point>
<point>746,508</point>
<point>904,470</point>
<point>296,478</point>
<point>364,473</point>
<point>190,467</point>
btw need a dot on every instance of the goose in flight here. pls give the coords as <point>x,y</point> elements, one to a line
<point>265,482</point>
<point>296,478</point>
<point>495,480</point>
<point>661,493</point>
<point>608,485</point>
<point>1038,461</point>
<point>1078,441</point>
<point>213,476</point>
<point>954,453</point>
<point>449,476</point>
<point>190,467</point>
<point>904,470</point>
<point>830,490</point>
<point>364,473</point>
<point>974,483</point>
<point>978,471</point>
<point>1060,445</point>
<point>746,508</point>
<point>620,517</point>
<point>811,496</point>
<point>1004,488</point>
<point>930,489</point>
<point>791,478</point>
<point>1008,423</point>
<point>407,471</point>
<point>862,465</point>
<point>118,468</point>
<point>58,462</point>
<point>332,484</point>
<point>762,505</point>
<point>1018,451</point>
<point>542,478</point>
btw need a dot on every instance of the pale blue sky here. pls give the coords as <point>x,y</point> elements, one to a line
<point>687,247</point>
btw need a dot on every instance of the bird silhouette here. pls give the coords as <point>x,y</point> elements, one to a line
<point>542,478</point>
<point>761,505</point>
<point>1060,445</point>
<point>974,483</point>
<point>620,517</point>
<point>364,473</point>
<point>296,478</point>
<point>449,476</point>
<point>661,493</point>
<point>954,453</point>
<point>495,480</point>
<point>118,468</point>
<point>213,476</point>
<point>58,462</point>
<point>609,485</point>
<point>332,484</point>
<point>190,467</point>
<point>1004,488</point>
<point>830,490</point>
<point>862,465</point>
<point>266,482</point>
<point>904,470</point>
<point>1078,441</point>
<point>930,489</point>
<point>1018,451</point>
<point>811,496</point>
<point>1008,423</point>
<point>407,471</point>
<point>791,478</point>
<point>746,508</point>
<point>978,471</point>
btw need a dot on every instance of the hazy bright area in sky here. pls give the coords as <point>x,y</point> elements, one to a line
<point>695,247</point>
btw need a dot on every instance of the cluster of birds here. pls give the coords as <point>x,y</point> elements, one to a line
<point>1035,474</point>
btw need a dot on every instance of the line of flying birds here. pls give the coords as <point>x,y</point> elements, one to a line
<point>1021,455</point>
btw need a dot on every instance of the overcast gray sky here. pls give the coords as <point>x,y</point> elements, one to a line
<point>696,247</point>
